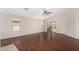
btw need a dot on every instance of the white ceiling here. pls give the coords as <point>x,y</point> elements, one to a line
<point>35,13</point>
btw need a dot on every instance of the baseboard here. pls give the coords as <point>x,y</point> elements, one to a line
<point>76,37</point>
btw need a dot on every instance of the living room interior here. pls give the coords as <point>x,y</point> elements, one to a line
<point>39,29</point>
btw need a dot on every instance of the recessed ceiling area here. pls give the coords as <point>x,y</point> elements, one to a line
<point>35,13</point>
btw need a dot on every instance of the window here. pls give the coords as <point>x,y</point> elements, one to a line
<point>16,27</point>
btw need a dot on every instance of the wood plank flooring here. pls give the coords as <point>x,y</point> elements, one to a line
<point>40,42</point>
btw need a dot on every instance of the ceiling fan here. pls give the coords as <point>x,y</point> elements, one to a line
<point>45,12</point>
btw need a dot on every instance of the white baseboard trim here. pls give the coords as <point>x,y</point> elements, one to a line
<point>74,36</point>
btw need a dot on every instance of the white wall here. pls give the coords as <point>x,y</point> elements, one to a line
<point>28,26</point>
<point>73,22</point>
<point>70,23</point>
<point>67,23</point>
<point>60,23</point>
<point>77,22</point>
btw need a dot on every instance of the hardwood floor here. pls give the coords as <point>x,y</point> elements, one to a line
<point>40,42</point>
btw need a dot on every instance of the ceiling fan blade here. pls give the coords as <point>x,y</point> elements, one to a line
<point>49,12</point>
